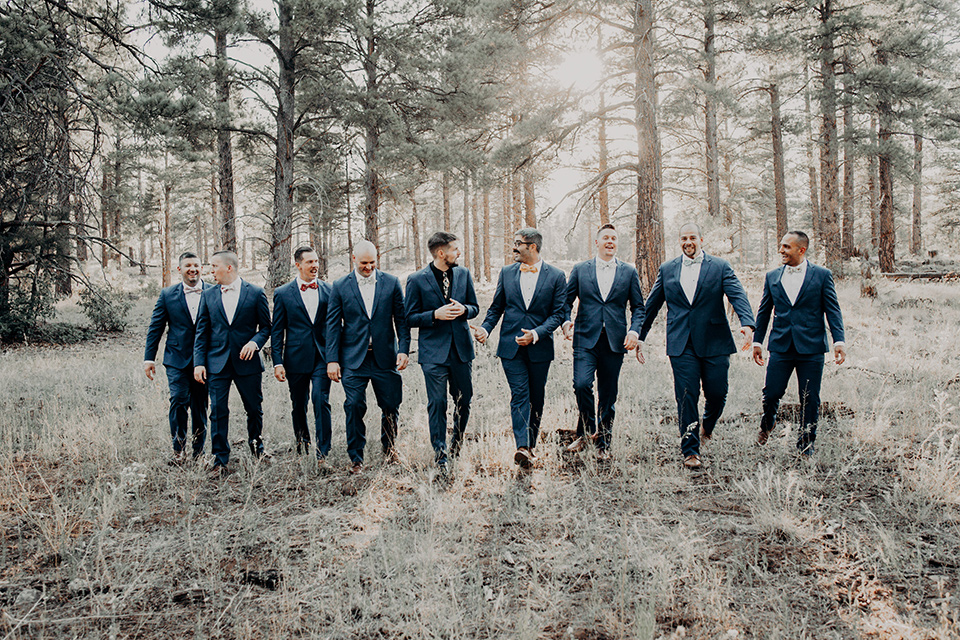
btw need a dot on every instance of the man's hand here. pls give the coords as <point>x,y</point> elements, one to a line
<point>249,350</point>
<point>150,369</point>
<point>333,371</point>
<point>479,334</point>
<point>567,329</point>
<point>450,311</point>
<point>200,374</point>
<point>758,354</point>
<point>747,334</point>
<point>640,357</point>
<point>525,339</point>
<point>280,373</point>
<point>402,361</point>
<point>839,354</point>
<point>631,342</point>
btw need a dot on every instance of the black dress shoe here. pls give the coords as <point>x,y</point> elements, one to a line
<point>762,437</point>
<point>522,458</point>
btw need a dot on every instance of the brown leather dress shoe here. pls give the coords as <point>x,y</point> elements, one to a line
<point>522,458</point>
<point>704,436</point>
<point>692,462</point>
<point>356,468</point>
<point>577,445</point>
<point>762,437</point>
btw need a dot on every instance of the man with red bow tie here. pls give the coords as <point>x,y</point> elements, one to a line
<point>233,325</point>
<point>176,311</point>
<point>297,346</point>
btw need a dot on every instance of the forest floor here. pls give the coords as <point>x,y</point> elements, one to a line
<point>103,537</point>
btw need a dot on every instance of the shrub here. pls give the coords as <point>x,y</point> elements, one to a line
<point>106,308</point>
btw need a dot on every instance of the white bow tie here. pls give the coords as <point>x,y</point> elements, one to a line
<point>796,269</point>
<point>230,287</point>
<point>367,282</point>
<point>607,266</point>
<point>689,261</point>
<point>196,289</point>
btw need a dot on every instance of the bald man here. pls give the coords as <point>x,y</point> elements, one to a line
<point>365,319</point>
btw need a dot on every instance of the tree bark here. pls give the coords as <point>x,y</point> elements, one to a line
<point>116,231</point>
<point>529,201</point>
<point>829,170</point>
<point>105,207</point>
<point>415,225</point>
<point>446,202</point>
<point>887,240</point>
<point>779,179</point>
<point>486,234</point>
<point>278,269</point>
<point>849,161</point>
<point>811,170</point>
<point>506,197</point>
<point>916,237</point>
<point>166,249</point>
<point>466,223</point>
<point>649,247</point>
<point>710,112</point>
<point>228,239</point>
<point>603,195</point>
<point>477,240</point>
<point>873,185</point>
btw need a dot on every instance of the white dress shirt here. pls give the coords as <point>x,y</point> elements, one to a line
<point>310,297</point>
<point>528,283</point>
<point>792,279</point>
<point>690,275</point>
<point>191,296</point>
<point>368,290</point>
<point>606,273</point>
<point>230,296</point>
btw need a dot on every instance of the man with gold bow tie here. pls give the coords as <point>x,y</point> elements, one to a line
<point>799,295</point>
<point>530,297</point>
<point>233,325</point>
<point>297,346</point>
<point>699,342</point>
<point>176,310</point>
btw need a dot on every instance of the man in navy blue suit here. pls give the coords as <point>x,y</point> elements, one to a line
<point>365,318</point>
<point>297,342</point>
<point>604,286</point>
<point>439,300</point>
<point>699,341</point>
<point>799,295</point>
<point>233,324</point>
<point>531,299</point>
<point>176,309</point>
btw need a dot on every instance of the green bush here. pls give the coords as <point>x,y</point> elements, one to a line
<point>25,311</point>
<point>60,333</point>
<point>106,308</point>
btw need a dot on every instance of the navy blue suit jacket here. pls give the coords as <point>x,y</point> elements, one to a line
<point>350,331</point>
<point>434,337</point>
<point>295,341</point>
<point>171,311</point>
<point>219,342</point>
<point>545,314</point>
<point>703,323</point>
<point>801,324</point>
<point>595,313</point>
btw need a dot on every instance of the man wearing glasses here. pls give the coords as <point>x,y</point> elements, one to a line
<point>530,298</point>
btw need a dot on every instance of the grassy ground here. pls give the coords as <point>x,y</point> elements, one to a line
<point>102,538</point>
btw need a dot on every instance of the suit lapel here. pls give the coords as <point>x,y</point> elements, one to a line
<point>591,277</point>
<point>428,274</point>
<point>218,298</point>
<point>514,282</point>
<point>355,286</point>
<point>618,277</point>
<point>806,280</point>
<point>677,270</point>
<point>244,292</point>
<point>295,292</point>
<point>377,293</point>
<point>705,266</point>
<point>182,300</point>
<point>539,286</point>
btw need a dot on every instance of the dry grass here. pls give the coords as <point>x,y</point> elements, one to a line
<point>864,543</point>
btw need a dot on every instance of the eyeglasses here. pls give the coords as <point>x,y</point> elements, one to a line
<point>520,243</point>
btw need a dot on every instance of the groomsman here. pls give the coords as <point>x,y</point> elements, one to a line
<point>440,298</point>
<point>531,299</point>
<point>176,310</point>
<point>799,295</point>
<point>297,342</point>
<point>699,342</point>
<point>604,286</point>
<point>233,324</point>
<point>365,317</point>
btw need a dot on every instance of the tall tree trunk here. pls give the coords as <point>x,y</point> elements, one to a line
<point>446,202</point>
<point>346,197</point>
<point>829,153</point>
<point>529,201</point>
<point>105,209</point>
<point>415,224</point>
<point>224,146</point>
<point>811,170</point>
<point>873,185</point>
<point>215,213</point>
<point>278,269</point>
<point>466,222</point>
<point>166,250</point>
<point>477,240</point>
<point>849,160</point>
<point>650,250</point>
<point>888,237</point>
<point>506,200</point>
<point>116,231</point>
<point>710,111</point>
<point>65,186</point>
<point>603,196</point>
<point>779,180</point>
<point>517,205</point>
<point>916,237</point>
<point>486,234</point>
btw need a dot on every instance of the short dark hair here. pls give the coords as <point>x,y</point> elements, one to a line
<point>185,255</point>
<point>439,240</point>
<point>298,254</point>
<point>802,238</point>
<point>606,226</point>
<point>692,224</point>
<point>532,236</point>
<point>230,257</point>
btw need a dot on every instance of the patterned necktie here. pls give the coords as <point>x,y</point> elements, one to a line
<point>312,285</point>
<point>528,268</point>
<point>446,286</point>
